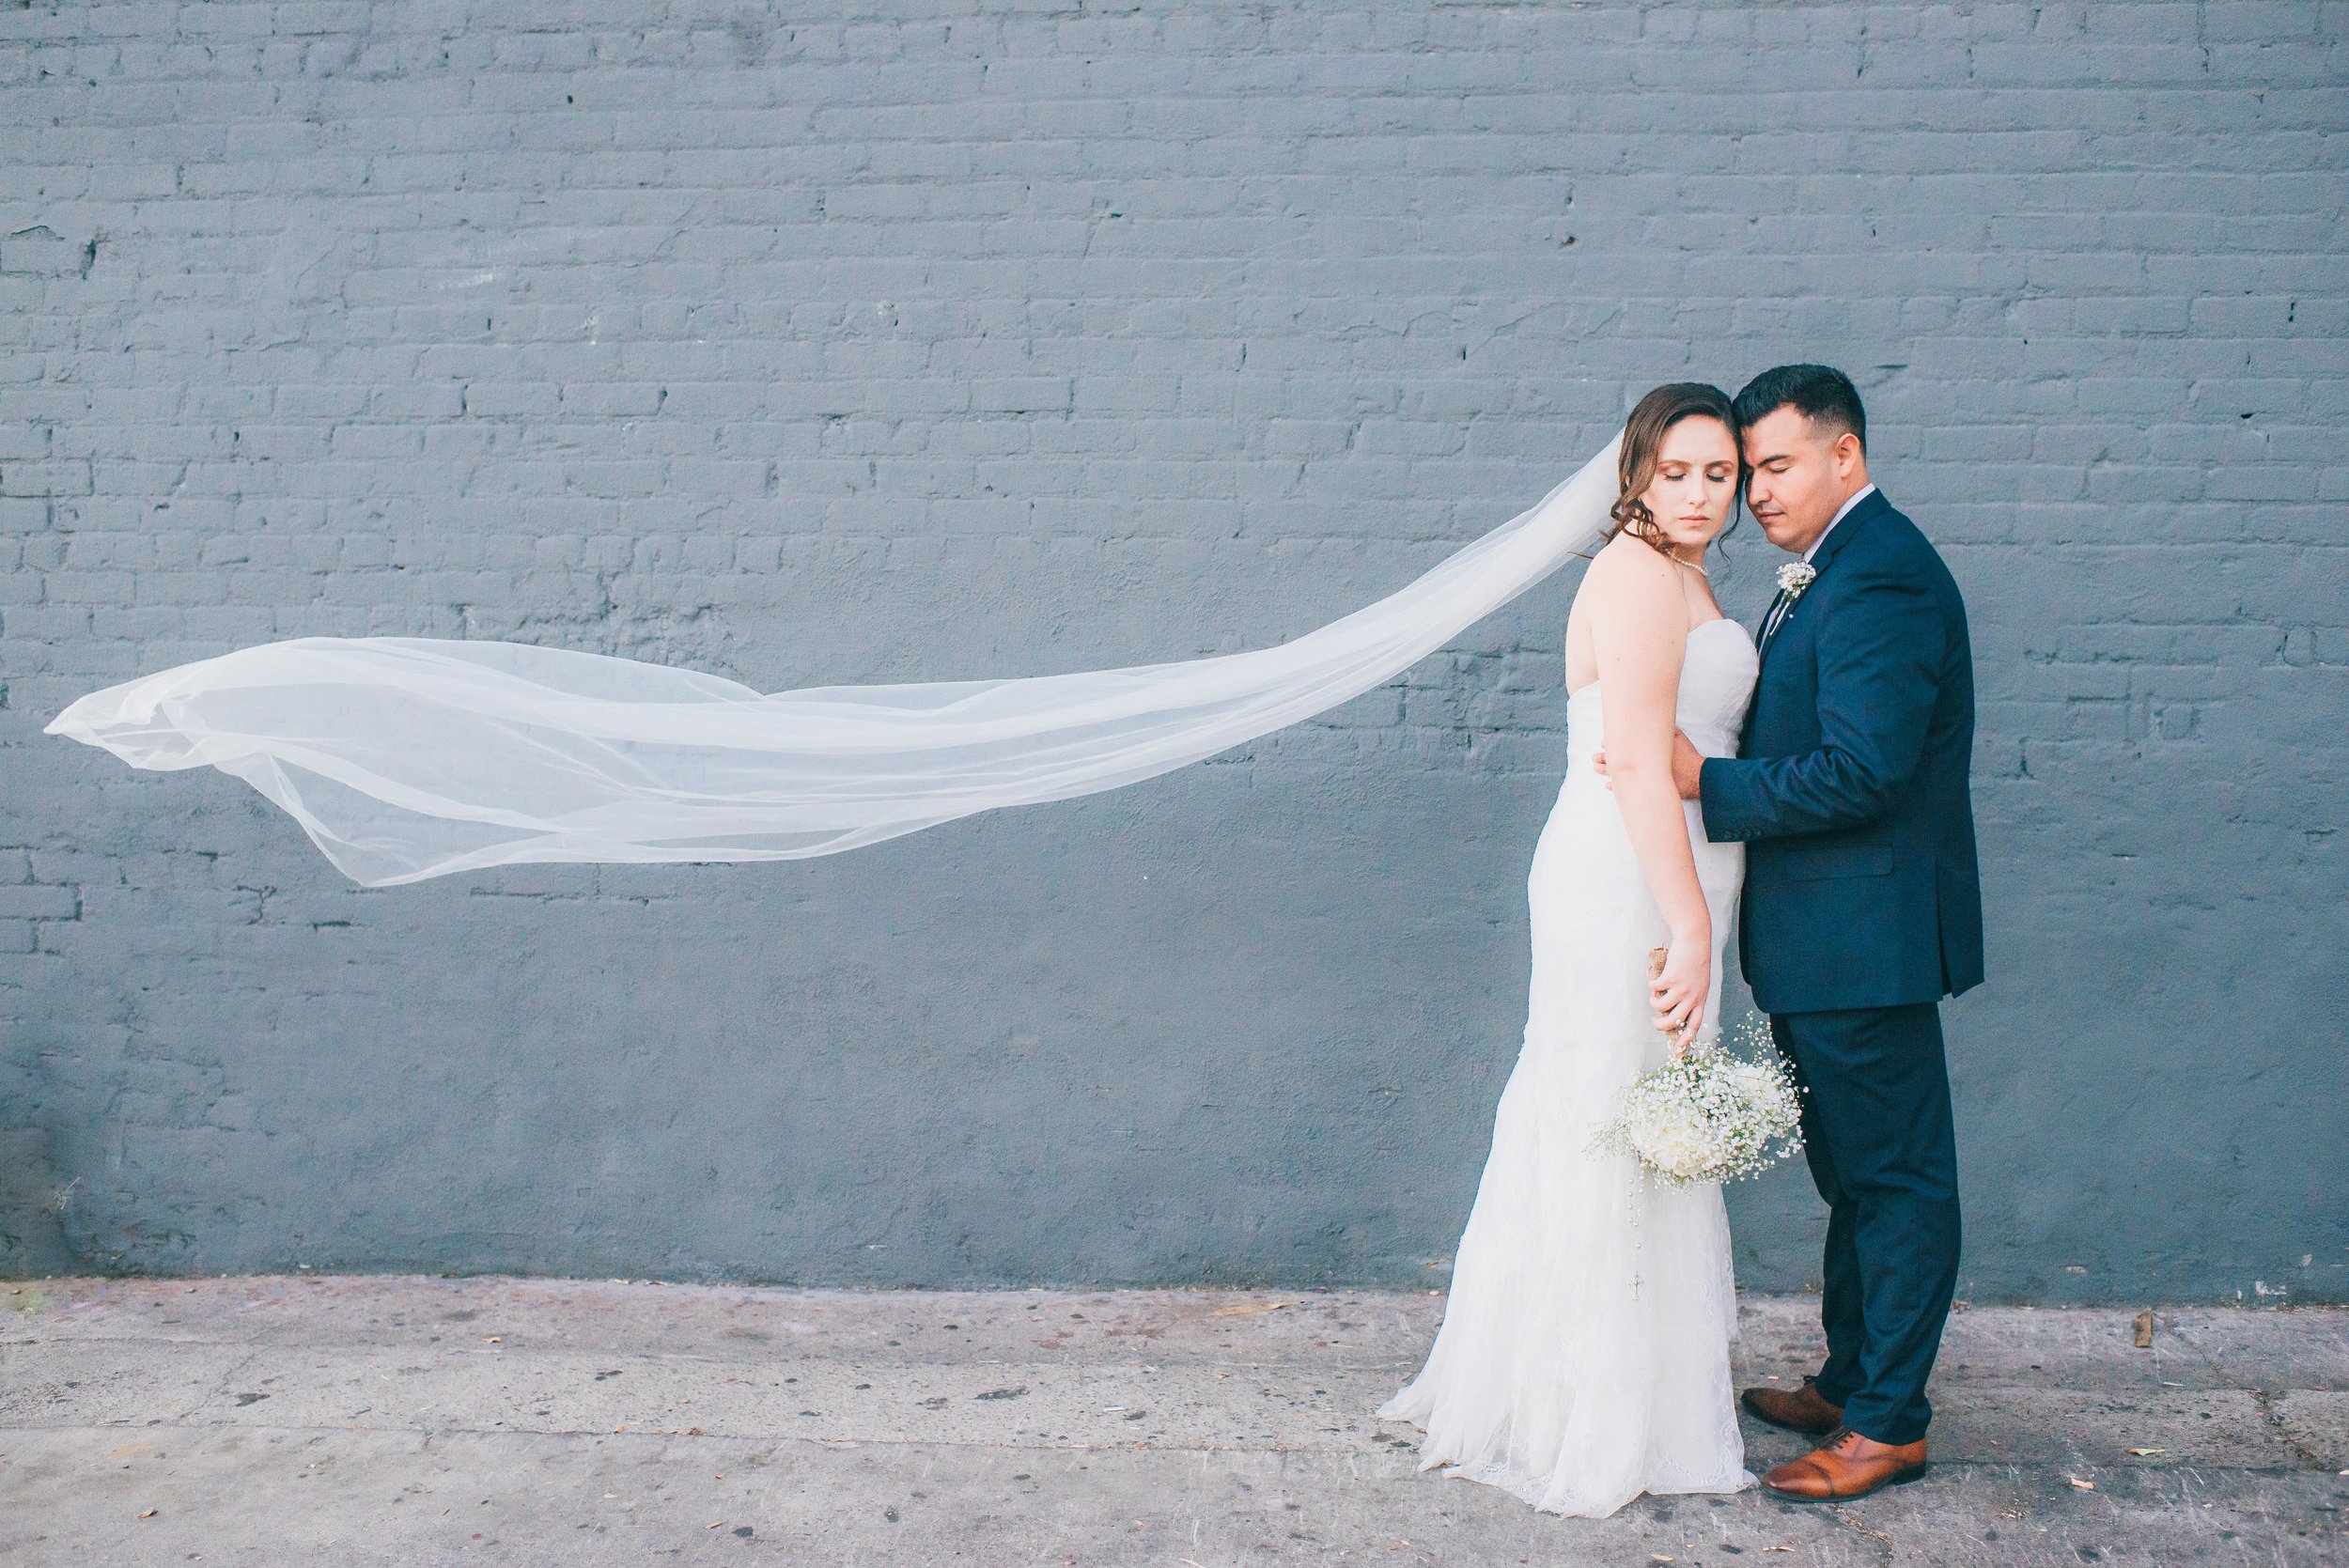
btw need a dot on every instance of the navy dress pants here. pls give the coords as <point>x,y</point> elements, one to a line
<point>1875,1125</point>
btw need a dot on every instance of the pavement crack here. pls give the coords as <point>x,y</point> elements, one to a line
<point>228,1380</point>
<point>1882,1550</point>
<point>2309,1457</point>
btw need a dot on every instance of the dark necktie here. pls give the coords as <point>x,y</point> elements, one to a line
<point>1775,616</point>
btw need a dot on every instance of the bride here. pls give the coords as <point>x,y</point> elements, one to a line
<point>1584,1352</point>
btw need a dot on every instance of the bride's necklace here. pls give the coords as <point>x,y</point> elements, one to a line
<point>1696,566</point>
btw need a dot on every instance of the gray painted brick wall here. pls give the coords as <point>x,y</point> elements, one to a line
<point>904,340</point>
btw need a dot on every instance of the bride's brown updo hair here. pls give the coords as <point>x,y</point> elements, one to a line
<point>1643,435</point>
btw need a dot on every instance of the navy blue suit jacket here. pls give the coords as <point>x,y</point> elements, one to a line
<point>1850,787</point>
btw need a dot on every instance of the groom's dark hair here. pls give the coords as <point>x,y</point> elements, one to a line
<point>1819,393</point>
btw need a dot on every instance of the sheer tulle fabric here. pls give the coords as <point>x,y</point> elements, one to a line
<point>1584,1352</point>
<point>405,759</point>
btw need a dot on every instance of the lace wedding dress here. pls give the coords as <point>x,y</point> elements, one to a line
<point>1584,1352</point>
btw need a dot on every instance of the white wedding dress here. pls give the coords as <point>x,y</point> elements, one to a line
<point>1584,1352</point>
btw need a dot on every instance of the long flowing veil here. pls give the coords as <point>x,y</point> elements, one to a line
<point>405,759</point>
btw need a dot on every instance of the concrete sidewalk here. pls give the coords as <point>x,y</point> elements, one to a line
<point>410,1420</point>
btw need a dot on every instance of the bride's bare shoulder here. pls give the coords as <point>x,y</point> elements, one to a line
<point>1631,568</point>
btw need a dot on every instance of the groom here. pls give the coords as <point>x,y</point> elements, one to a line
<point>1862,906</point>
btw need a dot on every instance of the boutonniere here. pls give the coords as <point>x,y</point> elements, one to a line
<point>1794,577</point>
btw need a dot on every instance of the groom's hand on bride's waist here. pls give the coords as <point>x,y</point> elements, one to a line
<point>1687,766</point>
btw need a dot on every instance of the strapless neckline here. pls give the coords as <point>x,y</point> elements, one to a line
<point>1717,620</point>
<point>1716,677</point>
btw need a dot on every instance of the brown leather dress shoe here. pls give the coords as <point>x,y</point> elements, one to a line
<point>1803,1410</point>
<point>1848,1465</point>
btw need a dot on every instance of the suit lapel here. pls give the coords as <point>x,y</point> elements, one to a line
<point>1841,534</point>
<point>1844,532</point>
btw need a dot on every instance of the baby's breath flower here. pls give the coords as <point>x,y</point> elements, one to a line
<point>1711,1116</point>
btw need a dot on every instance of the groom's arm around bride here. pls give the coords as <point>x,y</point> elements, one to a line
<point>1863,905</point>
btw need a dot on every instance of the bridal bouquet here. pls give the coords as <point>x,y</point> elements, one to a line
<point>1710,1116</point>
